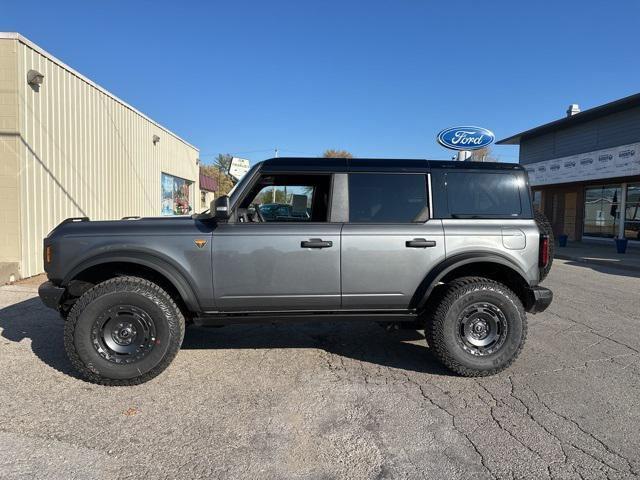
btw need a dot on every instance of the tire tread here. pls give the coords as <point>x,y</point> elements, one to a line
<point>433,332</point>
<point>124,284</point>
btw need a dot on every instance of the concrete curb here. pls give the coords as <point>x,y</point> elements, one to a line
<point>12,287</point>
<point>596,261</point>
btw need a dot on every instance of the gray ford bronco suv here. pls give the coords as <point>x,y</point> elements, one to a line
<point>452,247</point>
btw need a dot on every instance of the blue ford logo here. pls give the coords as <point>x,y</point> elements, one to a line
<point>465,138</point>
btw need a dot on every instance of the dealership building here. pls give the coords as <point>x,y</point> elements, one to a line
<point>584,170</point>
<point>69,148</point>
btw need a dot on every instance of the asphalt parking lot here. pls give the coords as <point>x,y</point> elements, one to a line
<point>335,400</point>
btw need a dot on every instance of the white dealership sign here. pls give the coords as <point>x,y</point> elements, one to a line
<point>608,163</point>
<point>238,167</point>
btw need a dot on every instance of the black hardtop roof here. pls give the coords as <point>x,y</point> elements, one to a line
<point>317,164</point>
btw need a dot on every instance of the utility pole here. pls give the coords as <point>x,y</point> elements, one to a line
<point>274,187</point>
<point>463,155</point>
<point>622,215</point>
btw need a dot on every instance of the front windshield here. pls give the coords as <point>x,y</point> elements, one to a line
<point>232,192</point>
<point>238,186</point>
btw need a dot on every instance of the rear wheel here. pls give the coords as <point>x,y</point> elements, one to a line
<point>478,327</point>
<point>123,331</point>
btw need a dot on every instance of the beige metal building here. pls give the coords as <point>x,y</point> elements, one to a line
<point>69,148</point>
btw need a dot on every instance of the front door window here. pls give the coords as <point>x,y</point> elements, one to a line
<point>287,198</point>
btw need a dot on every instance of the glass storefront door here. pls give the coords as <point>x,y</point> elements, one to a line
<point>632,212</point>
<point>601,210</point>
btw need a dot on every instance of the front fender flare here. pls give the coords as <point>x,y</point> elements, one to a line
<point>159,265</point>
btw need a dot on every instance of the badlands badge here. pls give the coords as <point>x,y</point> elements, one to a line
<point>200,243</point>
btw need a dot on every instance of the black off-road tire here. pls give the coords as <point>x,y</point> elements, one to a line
<point>444,332</point>
<point>545,229</point>
<point>91,356</point>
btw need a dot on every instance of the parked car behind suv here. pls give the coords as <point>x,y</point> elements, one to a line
<point>451,247</point>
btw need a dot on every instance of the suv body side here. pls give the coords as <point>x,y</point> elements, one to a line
<point>370,266</point>
<point>251,267</point>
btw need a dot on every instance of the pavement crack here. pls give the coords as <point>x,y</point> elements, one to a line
<point>595,332</point>
<point>629,467</point>
<point>457,428</point>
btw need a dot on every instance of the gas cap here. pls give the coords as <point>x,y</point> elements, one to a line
<point>513,238</point>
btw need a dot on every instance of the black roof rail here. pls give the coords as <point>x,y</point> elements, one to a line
<point>131,217</point>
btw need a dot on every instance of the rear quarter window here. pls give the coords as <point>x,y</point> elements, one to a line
<point>387,198</point>
<point>478,194</point>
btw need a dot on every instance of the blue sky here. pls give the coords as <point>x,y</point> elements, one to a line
<point>378,78</point>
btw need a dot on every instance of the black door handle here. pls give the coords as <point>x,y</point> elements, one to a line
<point>316,243</point>
<point>420,243</point>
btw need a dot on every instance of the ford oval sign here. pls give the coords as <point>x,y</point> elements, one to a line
<point>465,138</point>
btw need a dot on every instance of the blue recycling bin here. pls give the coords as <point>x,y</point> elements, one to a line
<point>562,240</point>
<point>621,245</point>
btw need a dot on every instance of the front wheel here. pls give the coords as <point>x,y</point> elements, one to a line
<point>123,331</point>
<point>478,328</point>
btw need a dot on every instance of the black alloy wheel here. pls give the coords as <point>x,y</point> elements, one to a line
<point>123,334</point>
<point>482,329</point>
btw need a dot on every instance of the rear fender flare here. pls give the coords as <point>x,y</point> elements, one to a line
<point>434,277</point>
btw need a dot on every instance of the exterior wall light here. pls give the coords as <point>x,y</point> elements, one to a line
<point>156,139</point>
<point>34,78</point>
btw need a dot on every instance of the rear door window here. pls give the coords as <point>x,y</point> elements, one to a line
<point>488,195</point>
<point>387,198</point>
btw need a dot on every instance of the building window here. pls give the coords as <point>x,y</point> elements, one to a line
<point>601,210</point>
<point>203,199</point>
<point>175,193</point>
<point>537,200</point>
<point>632,213</point>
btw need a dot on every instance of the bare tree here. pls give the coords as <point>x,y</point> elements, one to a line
<point>220,171</point>
<point>483,154</point>
<point>334,153</point>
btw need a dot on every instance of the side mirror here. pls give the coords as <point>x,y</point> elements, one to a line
<point>219,208</point>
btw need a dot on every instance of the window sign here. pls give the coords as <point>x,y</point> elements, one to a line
<point>175,195</point>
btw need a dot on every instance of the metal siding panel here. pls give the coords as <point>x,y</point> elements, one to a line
<point>578,139</point>
<point>619,129</point>
<point>85,153</point>
<point>537,149</point>
<point>10,153</point>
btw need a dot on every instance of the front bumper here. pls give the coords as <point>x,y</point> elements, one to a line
<point>538,299</point>
<point>50,294</point>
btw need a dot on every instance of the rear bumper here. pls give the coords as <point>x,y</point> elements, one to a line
<point>50,294</point>
<point>539,298</point>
